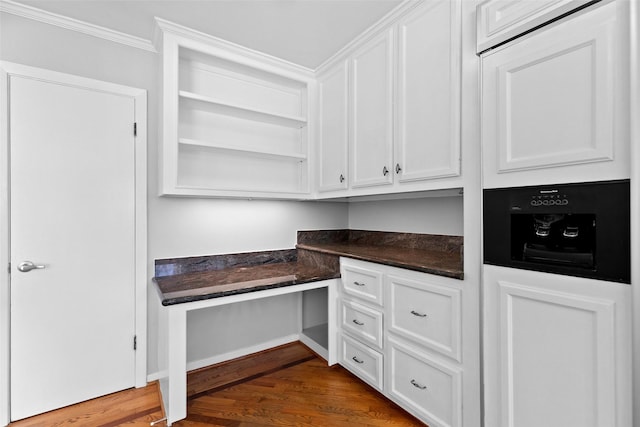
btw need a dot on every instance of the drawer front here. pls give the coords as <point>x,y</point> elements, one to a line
<point>427,314</point>
<point>362,322</point>
<point>362,283</point>
<point>430,388</point>
<point>364,362</point>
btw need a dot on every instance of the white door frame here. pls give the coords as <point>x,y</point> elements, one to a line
<point>139,97</point>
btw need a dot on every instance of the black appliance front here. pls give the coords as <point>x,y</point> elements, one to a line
<point>572,229</point>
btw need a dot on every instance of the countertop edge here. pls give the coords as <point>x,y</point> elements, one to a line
<point>385,261</point>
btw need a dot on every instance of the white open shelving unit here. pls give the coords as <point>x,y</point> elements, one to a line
<point>235,121</point>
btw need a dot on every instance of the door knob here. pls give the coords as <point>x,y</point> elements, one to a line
<point>27,266</point>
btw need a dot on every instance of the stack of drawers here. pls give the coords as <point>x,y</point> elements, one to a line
<point>400,332</point>
<point>361,341</point>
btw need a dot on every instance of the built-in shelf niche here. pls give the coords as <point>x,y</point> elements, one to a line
<point>238,126</point>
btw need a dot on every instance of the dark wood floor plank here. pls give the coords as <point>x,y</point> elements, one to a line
<point>240,369</point>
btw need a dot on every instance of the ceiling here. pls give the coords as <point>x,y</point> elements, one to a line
<point>305,32</point>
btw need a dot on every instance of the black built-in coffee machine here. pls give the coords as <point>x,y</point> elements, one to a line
<point>572,229</point>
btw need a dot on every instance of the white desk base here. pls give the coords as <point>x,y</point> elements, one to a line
<point>173,339</point>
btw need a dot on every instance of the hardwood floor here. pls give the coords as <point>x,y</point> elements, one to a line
<point>134,407</point>
<point>285,386</point>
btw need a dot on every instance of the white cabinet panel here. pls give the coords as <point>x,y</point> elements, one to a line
<point>364,362</point>
<point>558,346</point>
<point>500,20</point>
<point>361,282</point>
<point>362,322</point>
<point>427,140</point>
<point>372,114</point>
<point>426,313</point>
<point>429,387</point>
<point>549,102</point>
<point>333,139</point>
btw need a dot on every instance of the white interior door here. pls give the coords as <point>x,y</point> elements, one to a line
<point>72,212</point>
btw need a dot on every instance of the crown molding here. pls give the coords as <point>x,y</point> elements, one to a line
<point>29,12</point>
<point>225,48</point>
<point>383,23</point>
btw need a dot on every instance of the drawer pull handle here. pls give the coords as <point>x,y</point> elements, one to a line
<point>418,385</point>
<point>357,323</point>
<point>358,284</point>
<point>355,359</point>
<point>415,313</point>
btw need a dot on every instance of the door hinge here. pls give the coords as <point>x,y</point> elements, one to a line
<point>9,268</point>
<point>135,342</point>
<point>135,129</point>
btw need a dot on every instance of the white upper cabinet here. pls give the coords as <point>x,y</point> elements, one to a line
<point>372,112</point>
<point>333,89</point>
<point>427,143</point>
<point>500,20</point>
<point>404,94</point>
<point>234,121</point>
<point>553,104</point>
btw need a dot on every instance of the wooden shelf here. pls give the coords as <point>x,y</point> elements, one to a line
<point>243,112</point>
<point>219,146</point>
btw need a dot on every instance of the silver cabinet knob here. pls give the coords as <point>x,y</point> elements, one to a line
<point>398,168</point>
<point>341,178</point>
<point>385,171</point>
<point>27,266</point>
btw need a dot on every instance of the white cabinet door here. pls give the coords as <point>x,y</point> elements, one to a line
<point>500,20</point>
<point>333,91</point>
<point>557,350</point>
<point>428,93</point>
<point>372,114</point>
<point>549,104</point>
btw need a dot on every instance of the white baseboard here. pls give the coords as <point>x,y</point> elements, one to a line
<point>197,364</point>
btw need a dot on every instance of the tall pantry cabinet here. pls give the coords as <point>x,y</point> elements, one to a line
<point>555,110</point>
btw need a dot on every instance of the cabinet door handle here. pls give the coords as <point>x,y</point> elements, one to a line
<point>398,168</point>
<point>358,283</point>
<point>415,313</point>
<point>357,323</point>
<point>341,178</point>
<point>355,359</point>
<point>385,171</point>
<point>418,385</point>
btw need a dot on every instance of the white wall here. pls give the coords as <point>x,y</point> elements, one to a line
<point>179,227</point>
<point>434,215</point>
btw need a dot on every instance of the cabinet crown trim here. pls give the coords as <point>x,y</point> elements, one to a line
<point>224,48</point>
<point>384,23</point>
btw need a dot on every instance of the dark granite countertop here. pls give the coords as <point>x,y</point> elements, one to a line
<point>181,280</point>
<point>216,276</point>
<point>434,254</point>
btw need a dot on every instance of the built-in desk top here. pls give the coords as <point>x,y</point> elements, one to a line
<point>316,257</point>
